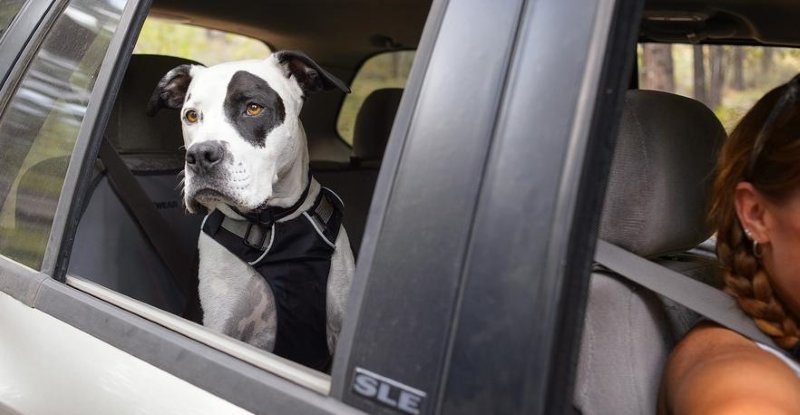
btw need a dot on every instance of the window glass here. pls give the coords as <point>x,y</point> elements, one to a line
<point>207,46</point>
<point>41,122</point>
<point>728,79</point>
<point>387,70</point>
<point>8,11</point>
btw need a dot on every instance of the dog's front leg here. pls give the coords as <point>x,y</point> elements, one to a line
<point>236,300</point>
<point>340,278</point>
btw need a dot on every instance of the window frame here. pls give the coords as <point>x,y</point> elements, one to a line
<point>21,41</point>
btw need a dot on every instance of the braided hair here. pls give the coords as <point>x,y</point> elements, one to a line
<point>763,150</point>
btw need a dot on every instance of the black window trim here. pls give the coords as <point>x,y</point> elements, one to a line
<point>21,42</point>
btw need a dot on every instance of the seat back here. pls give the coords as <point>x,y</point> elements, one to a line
<point>655,207</point>
<point>355,181</point>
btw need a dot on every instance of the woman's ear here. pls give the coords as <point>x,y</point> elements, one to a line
<point>752,209</point>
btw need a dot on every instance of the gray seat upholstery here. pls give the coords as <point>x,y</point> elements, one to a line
<point>655,207</point>
<point>374,123</point>
<point>110,247</point>
<point>355,182</point>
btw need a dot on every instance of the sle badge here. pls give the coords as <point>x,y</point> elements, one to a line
<point>387,391</point>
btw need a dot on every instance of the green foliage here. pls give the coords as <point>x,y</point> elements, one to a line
<point>207,46</point>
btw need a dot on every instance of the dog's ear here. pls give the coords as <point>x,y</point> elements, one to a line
<point>171,89</point>
<point>310,76</point>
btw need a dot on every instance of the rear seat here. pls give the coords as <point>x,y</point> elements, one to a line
<point>655,207</point>
<point>110,247</point>
<point>355,182</point>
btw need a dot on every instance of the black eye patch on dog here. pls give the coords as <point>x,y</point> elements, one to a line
<point>245,88</point>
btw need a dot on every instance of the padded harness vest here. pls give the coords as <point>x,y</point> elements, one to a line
<point>294,257</point>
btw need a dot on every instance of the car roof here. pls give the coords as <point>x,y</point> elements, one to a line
<point>764,22</point>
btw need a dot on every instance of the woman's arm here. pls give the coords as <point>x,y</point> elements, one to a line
<point>717,371</point>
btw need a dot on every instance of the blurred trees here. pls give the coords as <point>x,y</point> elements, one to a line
<point>658,67</point>
<point>728,79</point>
<point>717,77</point>
<point>207,46</point>
<point>737,83</point>
<point>699,62</point>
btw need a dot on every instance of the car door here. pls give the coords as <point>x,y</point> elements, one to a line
<point>472,273</point>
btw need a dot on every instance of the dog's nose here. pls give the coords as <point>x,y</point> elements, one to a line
<point>205,155</point>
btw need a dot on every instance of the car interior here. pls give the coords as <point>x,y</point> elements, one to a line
<point>655,203</point>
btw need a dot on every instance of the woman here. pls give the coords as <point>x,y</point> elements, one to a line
<point>756,211</point>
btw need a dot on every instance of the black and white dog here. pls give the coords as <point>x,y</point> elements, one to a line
<point>275,264</point>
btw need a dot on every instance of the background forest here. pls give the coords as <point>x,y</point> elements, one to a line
<point>728,79</point>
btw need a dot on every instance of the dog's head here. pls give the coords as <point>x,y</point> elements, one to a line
<point>241,125</point>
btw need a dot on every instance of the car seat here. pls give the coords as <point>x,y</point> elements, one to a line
<point>354,182</point>
<point>110,246</point>
<point>655,207</point>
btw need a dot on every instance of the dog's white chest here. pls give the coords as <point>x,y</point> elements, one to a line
<point>225,281</point>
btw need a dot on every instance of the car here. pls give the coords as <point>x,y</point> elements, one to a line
<point>474,182</point>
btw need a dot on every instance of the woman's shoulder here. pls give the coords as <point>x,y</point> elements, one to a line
<point>714,367</point>
<point>707,340</point>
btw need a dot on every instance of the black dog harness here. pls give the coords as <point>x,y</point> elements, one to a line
<point>294,257</point>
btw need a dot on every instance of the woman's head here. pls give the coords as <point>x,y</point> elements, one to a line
<point>756,211</point>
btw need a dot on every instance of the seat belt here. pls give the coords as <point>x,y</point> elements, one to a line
<point>694,295</point>
<point>155,227</point>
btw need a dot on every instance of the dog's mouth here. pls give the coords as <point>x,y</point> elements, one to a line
<point>209,196</point>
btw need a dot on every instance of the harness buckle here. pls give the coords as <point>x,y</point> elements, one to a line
<point>259,243</point>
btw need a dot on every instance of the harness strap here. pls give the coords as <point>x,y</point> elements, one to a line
<point>155,228</point>
<point>294,257</point>
<point>259,236</point>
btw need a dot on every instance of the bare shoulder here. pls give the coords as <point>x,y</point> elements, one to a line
<point>716,371</point>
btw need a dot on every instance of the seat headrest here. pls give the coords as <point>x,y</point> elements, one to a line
<point>129,129</point>
<point>661,174</point>
<point>374,123</point>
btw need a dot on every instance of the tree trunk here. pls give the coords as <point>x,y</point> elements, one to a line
<point>766,61</point>
<point>717,77</point>
<point>700,90</point>
<point>738,69</point>
<point>659,70</point>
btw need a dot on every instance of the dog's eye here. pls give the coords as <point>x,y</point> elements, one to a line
<point>254,109</point>
<point>191,116</point>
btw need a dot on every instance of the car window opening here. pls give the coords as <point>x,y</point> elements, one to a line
<point>136,236</point>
